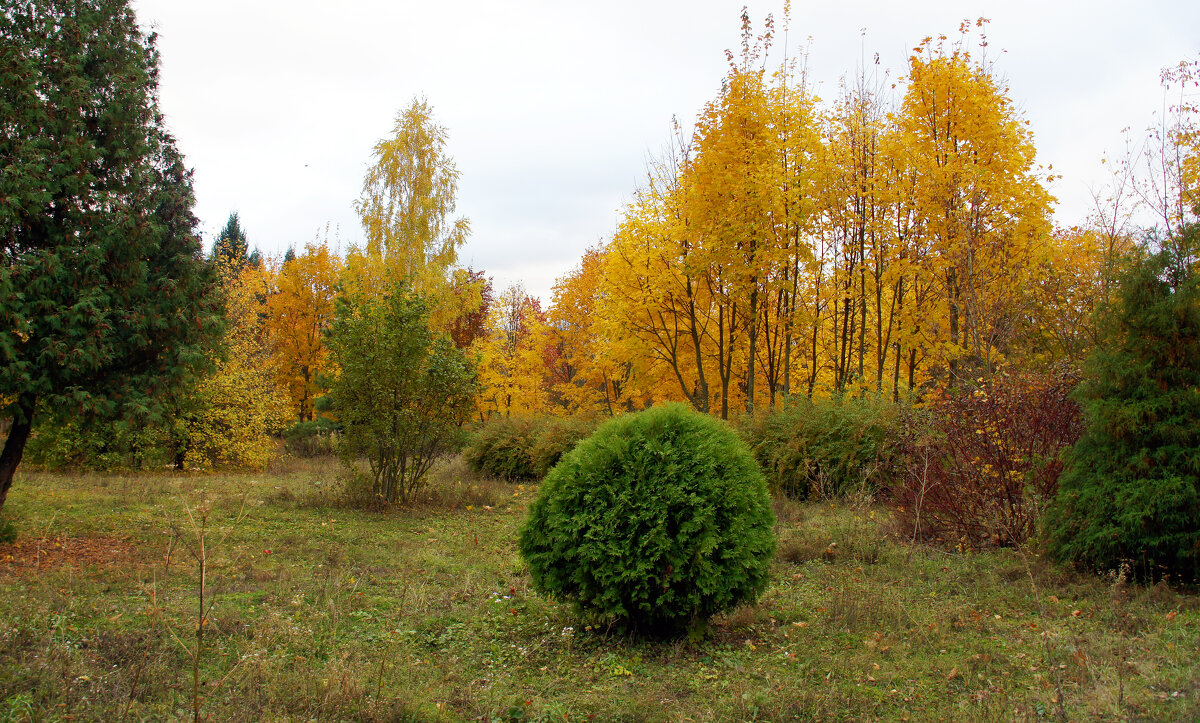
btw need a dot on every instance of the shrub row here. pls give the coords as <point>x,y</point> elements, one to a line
<point>826,447</point>
<point>314,438</point>
<point>522,448</point>
<point>974,467</point>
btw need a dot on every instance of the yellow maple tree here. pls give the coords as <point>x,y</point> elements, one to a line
<point>512,357</point>
<point>299,310</point>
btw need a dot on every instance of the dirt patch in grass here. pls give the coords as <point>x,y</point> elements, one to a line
<point>30,556</point>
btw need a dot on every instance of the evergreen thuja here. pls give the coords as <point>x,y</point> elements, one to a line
<point>653,524</point>
<point>1131,492</point>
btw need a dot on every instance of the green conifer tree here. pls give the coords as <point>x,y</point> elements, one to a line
<point>1131,491</point>
<point>231,245</point>
<point>105,298</point>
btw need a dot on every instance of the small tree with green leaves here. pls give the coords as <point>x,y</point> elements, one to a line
<point>1131,490</point>
<point>402,392</point>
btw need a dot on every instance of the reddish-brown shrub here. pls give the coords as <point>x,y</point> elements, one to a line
<point>981,463</point>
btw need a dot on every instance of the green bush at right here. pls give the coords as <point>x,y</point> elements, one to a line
<point>1130,494</point>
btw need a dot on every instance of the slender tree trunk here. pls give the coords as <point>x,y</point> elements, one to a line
<point>846,355</point>
<point>912,369</point>
<point>812,372</point>
<point>899,329</point>
<point>14,446</point>
<point>608,398</point>
<point>952,292</point>
<point>750,371</point>
<point>862,291</point>
<point>700,393</point>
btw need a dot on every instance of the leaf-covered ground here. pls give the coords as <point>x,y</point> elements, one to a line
<point>327,613</point>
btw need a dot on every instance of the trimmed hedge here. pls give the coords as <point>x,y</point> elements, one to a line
<point>555,437</point>
<point>502,449</point>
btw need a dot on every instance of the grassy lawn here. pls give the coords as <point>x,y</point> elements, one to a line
<point>325,613</point>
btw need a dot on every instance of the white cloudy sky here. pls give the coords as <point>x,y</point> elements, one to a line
<point>553,106</point>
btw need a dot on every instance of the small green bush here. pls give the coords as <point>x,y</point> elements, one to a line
<point>402,392</point>
<point>555,437</point>
<point>8,531</point>
<point>502,449</point>
<point>61,441</point>
<point>521,448</point>
<point>654,523</point>
<point>825,447</point>
<point>313,438</point>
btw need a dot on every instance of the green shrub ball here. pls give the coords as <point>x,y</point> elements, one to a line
<point>655,523</point>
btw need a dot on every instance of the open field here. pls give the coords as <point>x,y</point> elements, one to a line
<point>325,613</point>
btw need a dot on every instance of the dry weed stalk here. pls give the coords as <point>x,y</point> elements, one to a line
<point>195,538</point>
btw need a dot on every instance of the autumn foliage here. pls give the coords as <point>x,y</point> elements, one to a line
<point>785,247</point>
<point>870,284</point>
<point>981,464</point>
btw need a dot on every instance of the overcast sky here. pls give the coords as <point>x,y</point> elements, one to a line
<point>553,108</point>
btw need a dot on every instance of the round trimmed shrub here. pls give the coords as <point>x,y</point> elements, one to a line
<point>656,522</point>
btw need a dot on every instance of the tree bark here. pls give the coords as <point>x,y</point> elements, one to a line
<point>14,446</point>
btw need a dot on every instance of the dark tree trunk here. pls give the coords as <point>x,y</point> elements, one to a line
<point>14,446</point>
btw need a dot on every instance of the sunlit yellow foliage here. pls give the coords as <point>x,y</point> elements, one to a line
<point>783,249</point>
<point>299,311</point>
<point>584,376</point>
<point>656,310</point>
<point>979,203</point>
<point>407,204</point>
<point>1076,279</point>
<point>512,357</point>
<point>238,405</point>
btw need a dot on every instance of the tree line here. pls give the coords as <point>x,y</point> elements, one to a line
<point>895,240</point>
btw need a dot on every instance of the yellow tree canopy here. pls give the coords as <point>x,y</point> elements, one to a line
<point>299,311</point>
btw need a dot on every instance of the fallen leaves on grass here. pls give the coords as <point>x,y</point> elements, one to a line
<point>32,555</point>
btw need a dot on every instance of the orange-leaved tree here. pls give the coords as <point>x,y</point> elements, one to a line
<point>586,377</point>
<point>299,311</point>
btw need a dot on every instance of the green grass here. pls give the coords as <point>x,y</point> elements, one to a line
<point>327,613</point>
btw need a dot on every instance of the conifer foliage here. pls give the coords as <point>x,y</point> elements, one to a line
<point>231,244</point>
<point>654,523</point>
<point>104,296</point>
<point>1131,492</point>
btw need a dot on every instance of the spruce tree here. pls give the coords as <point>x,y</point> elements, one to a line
<point>231,245</point>
<point>105,297</point>
<point>1131,490</point>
